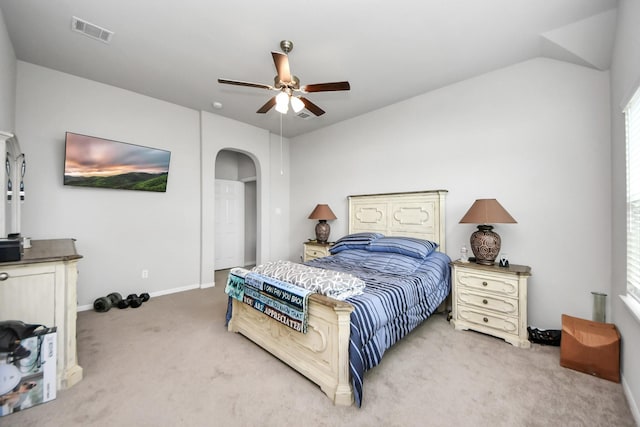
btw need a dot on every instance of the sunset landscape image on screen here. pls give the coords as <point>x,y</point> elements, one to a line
<point>98,162</point>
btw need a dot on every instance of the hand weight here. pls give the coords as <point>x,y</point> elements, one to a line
<point>135,301</point>
<point>114,299</point>
<point>104,304</point>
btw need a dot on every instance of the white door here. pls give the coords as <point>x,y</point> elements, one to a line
<point>229,214</point>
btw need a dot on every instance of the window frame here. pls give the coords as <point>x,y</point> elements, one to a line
<point>632,203</point>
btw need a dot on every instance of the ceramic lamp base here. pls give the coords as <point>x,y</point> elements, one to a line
<point>322,231</point>
<point>485,244</point>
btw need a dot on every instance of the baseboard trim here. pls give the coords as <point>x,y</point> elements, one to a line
<point>158,293</point>
<point>84,308</point>
<point>631,401</point>
<point>174,290</point>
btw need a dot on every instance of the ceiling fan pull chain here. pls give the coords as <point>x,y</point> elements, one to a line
<point>281,165</point>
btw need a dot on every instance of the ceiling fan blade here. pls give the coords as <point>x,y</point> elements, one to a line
<point>282,66</point>
<point>312,107</point>
<point>327,87</point>
<point>267,106</point>
<point>248,84</point>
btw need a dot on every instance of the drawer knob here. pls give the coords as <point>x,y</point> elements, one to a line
<point>485,320</point>
<point>4,276</point>
<point>484,301</point>
<point>484,283</point>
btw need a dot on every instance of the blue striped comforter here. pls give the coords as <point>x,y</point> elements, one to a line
<point>392,305</point>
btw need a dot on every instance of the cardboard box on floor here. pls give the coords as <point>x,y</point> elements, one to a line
<point>590,347</point>
<point>28,376</point>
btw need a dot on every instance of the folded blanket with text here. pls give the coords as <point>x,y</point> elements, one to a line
<point>284,302</point>
<point>335,284</point>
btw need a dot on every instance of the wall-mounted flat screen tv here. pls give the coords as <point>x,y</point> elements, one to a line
<point>97,162</point>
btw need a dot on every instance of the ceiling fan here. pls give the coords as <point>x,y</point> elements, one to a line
<point>288,85</point>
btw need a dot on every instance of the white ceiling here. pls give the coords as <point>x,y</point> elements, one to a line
<point>175,50</point>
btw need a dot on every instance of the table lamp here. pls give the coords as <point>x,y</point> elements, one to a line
<point>322,213</point>
<point>485,243</point>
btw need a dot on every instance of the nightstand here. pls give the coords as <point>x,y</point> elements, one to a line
<point>313,250</point>
<point>492,300</point>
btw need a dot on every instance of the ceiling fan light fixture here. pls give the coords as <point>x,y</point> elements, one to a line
<point>282,103</point>
<point>286,84</point>
<point>282,108</point>
<point>296,104</point>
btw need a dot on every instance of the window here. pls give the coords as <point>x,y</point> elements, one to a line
<point>632,116</point>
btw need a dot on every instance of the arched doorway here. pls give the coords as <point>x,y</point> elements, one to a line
<point>236,215</point>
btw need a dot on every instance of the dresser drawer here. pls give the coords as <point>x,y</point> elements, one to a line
<point>488,320</point>
<point>499,284</point>
<point>507,306</point>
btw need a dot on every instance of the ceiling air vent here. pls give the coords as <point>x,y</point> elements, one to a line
<point>304,115</point>
<point>91,30</point>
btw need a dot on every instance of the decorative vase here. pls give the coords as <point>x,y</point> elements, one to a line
<point>599,307</point>
<point>485,245</point>
<point>322,231</point>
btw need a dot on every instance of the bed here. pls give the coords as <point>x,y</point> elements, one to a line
<point>327,354</point>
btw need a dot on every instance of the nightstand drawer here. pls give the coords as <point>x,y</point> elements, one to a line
<point>499,284</point>
<point>313,250</point>
<point>488,320</point>
<point>502,305</point>
<point>311,253</point>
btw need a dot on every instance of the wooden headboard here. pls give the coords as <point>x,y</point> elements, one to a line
<point>419,214</point>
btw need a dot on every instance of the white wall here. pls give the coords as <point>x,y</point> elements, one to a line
<point>534,135</point>
<point>281,201</point>
<point>625,79</point>
<point>219,133</point>
<point>7,80</point>
<point>118,232</point>
<point>227,165</point>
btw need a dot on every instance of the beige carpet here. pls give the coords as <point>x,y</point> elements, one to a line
<point>171,362</point>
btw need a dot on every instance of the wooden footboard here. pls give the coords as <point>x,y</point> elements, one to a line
<point>321,355</point>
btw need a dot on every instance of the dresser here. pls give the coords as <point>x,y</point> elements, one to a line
<point>41,289</point>
<point>492,300</point>
<point>313,250</point>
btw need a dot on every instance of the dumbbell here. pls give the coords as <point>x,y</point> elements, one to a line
<point>104,304</point>
<point>134,301</point>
